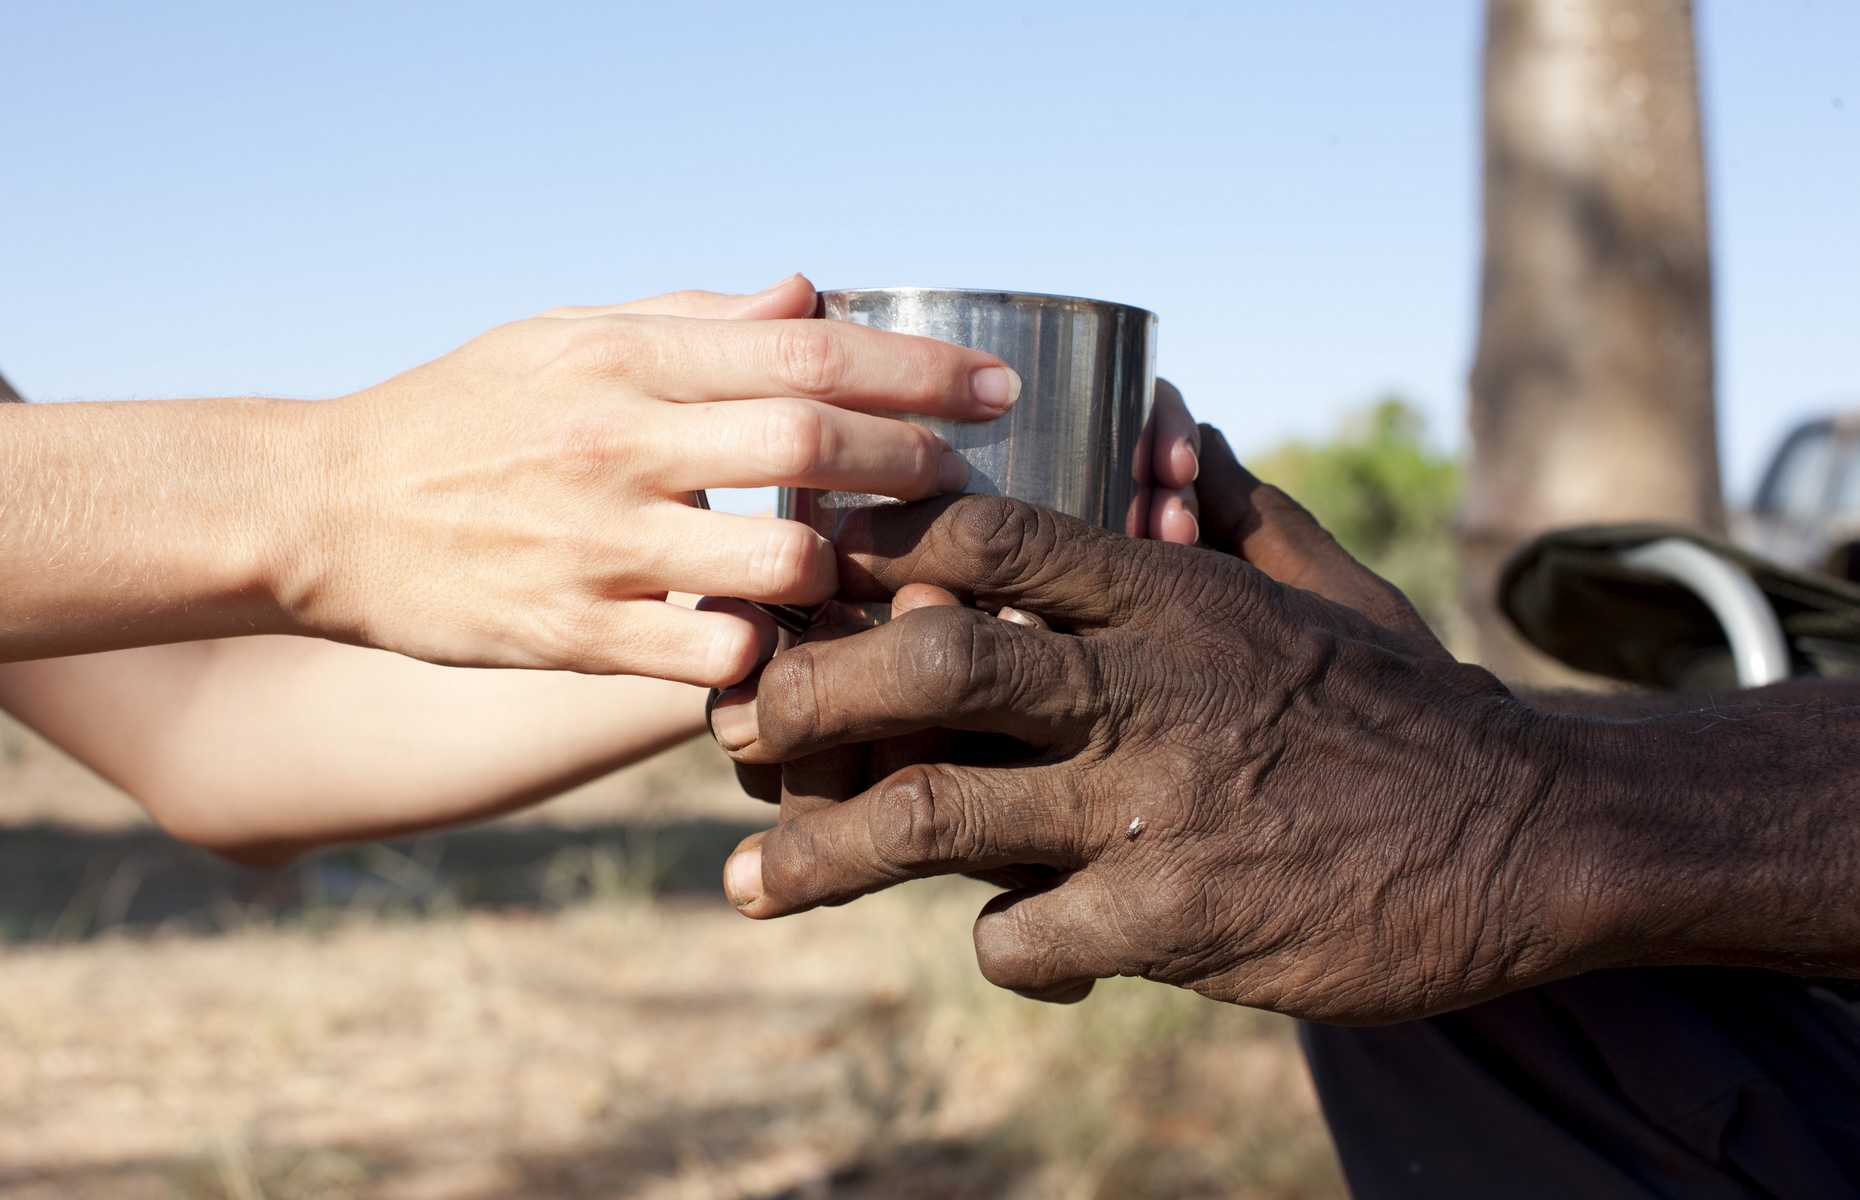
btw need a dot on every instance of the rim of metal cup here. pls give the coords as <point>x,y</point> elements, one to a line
<point>1043,299</point>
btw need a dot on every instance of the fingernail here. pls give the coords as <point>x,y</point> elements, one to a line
<point>1014,616</point>
<point>1194,529</point>
<point>996,388</point>
<point>742,877</point>
<point>733,719</point>
<point>1194,464</point>
<point>952,471</point>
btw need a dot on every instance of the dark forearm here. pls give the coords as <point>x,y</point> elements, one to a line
<point>1722,830</point>
<point>1635,704</point>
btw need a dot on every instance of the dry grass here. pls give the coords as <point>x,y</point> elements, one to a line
<point>607,1027</point>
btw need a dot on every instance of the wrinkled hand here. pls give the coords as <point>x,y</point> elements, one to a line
<point>525,501</point>
<point>1233,782</point>
<point>1166,508</point>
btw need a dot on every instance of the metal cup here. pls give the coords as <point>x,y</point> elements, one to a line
<point>1072,440</point>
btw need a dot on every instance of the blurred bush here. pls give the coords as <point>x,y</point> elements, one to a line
<point>1387,494</point>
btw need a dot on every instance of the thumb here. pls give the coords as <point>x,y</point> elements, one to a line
<point>1261,524</point>
<point>792,297</point>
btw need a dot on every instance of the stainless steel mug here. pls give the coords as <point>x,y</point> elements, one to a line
<point>1088,376</point>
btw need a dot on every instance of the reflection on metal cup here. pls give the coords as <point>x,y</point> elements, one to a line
<point>1070,442</point>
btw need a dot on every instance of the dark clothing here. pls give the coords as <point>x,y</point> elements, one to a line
<point>1680,1082</point>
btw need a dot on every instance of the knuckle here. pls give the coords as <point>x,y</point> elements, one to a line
<point>576,631</point>
<point>1076,670</point>
<point>995,537</point>
<point>601,345</point>
<point>915,821</point>
<point>793,439</point>
<point>1143,572</point>
<point>787,559</point>
<point>587,448</point>
<point>1229,589</point>
<point>810,359</point>
<point>533,344</point>
<point>939,664</point>
<point>788,701</point>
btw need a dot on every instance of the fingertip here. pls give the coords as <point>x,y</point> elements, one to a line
<point>1027,620</point>
<point>800,285</point>
<point>1186,531</point>
<point>732,718</point>
<point>1178,444</point>
<point>913,596</point>
<point>1174,519</point>
<point>742,876</point>
<point>769,635</point>
<point>1181,464</point>
<point>790,298</point>
<point>994,389</point>
<point>736,649</point>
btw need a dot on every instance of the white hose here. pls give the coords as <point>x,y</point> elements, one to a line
<point>1757,643</point>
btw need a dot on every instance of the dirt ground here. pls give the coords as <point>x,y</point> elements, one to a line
<point>562,1005</point>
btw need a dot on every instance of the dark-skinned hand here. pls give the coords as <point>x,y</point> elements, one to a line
<point>1253,773</point>
<point>1166,507</point>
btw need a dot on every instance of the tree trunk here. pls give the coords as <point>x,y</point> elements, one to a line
<point>1592,386</point>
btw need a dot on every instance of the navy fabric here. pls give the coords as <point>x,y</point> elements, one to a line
<point>1682,1082</point>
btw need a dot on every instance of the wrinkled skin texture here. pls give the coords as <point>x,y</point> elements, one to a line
<point>1250,770</point>
<point>1169,461</point>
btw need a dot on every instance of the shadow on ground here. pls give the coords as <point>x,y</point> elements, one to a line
<point>710,1142</point>
<point>64,884</point>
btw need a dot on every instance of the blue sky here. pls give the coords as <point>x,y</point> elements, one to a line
<point>236,198</point>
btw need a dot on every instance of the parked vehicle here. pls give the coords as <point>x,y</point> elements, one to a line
<point>1807,508</point>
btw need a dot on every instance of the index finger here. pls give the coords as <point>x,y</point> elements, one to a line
<point>935,667</point>
<point>791,297</point>
<point>995,552</point>
<point>692,360</point>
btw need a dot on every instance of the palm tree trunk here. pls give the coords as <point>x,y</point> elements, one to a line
<point>1592,389</point>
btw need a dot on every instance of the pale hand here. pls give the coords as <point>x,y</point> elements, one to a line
<point>525,501</point>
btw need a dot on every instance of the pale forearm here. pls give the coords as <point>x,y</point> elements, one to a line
<point>264,746</point>
<point>146,523</point>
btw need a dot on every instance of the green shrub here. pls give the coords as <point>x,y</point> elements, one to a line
<point>1387,494</point>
